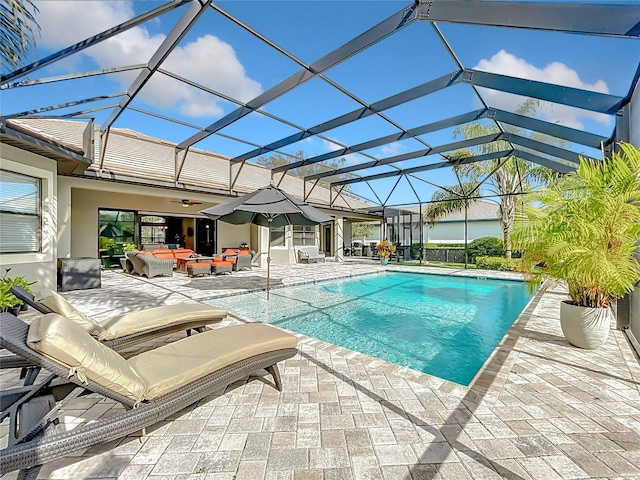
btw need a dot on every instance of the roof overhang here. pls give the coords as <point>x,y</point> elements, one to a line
<point>68,161</point>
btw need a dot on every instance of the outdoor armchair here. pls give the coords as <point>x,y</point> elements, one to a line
<point>151,386</point>
<point>243,260</point>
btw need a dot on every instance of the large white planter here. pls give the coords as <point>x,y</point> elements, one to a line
<point>585,327</point>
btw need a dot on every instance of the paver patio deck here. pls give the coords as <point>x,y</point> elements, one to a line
<point>539,408</point>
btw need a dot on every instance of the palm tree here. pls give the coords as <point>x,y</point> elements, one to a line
<point>505,178</point>
<point>16,35</point>
<point>448,200</point>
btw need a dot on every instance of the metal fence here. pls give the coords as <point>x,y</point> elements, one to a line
<point>454,255</point>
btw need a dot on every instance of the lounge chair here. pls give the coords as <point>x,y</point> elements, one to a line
<point>151,386</point>
<point>130,328</point>
<point>145,264</point>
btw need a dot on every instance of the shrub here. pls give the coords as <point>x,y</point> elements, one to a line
<point>485,247</point>
<point>7,299</point>
<point>129,247</point>
<point>107,243</point>
<point>498,263</point>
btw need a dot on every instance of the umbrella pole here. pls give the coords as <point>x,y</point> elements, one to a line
<point>268,257</point>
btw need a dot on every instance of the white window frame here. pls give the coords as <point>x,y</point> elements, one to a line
<point>37,215</point>
<point>305,233</point>
<point>47,211</point>
<point>273,230</point>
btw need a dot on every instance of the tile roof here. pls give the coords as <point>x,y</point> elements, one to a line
<point>478,210</point>
<point>134,155</point>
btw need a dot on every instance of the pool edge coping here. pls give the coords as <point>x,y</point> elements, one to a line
<point>415,376</point>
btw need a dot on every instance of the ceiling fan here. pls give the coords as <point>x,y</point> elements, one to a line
<point>186,203</point>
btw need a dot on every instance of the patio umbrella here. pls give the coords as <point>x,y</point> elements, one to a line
<point>268,206</point>
<point>110,230</point>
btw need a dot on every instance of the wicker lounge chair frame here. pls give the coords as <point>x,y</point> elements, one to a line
<point>149,266</point>
<point>29,447</point>
<point>118,344</point>
<point>128,340</point>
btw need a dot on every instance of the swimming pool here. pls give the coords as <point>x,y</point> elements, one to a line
<point>441,325</point>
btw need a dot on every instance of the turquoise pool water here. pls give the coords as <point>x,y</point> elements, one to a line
<point>444,326</point>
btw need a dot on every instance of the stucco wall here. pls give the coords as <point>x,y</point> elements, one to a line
<point>79,220</point>
<point>88,196</point>
<point>233,235</point>
<point>39,267</point>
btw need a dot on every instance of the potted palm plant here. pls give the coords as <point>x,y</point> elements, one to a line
<point>584,230</point>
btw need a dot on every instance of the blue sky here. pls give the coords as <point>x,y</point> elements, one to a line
<point>222,56</point>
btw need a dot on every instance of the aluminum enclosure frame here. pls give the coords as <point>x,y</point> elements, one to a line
<point>593,19</point>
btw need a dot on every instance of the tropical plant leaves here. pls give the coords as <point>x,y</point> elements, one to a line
<point>585,228</point>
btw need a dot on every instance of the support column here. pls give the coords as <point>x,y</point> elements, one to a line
<point>628,130</point>
<point>63,217</point>
<point>263,247</point>
<point>338,238</point>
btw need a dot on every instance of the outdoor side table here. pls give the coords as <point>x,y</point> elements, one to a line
<point>79,273</point>
<point>183,263</point>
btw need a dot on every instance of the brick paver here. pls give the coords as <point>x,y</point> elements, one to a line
<point>539,408</point>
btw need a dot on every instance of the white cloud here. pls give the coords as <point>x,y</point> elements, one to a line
<point>354,159</point>
<point>390,150</point>
<point>558,73</point>
<point>64,23</point>
<point>329,146</point>
<point>208,60</point>
<point>318,146</point>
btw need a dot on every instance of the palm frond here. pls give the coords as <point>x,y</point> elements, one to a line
<point>585,228</point>
<point>17,22</point>
<point>446,201</point>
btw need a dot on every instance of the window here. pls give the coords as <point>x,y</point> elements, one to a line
<point>277,236</point>
<point>20,213</point>
<point>116,227</point>
<point>153,229</point>
<point>304,235</point>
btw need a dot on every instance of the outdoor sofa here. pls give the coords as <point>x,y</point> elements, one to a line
<point>173,254</point>
<point>151,386</point>
<point>310,254</point>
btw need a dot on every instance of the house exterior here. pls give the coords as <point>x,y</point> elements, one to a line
<point>483,220</point>
<point>69,185</point>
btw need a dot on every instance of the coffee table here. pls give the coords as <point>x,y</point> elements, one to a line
<point>184,262</point>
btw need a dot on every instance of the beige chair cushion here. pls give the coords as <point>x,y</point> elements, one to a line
<point>156,318</point>
<point>59,305</point>
<point>67,343</point>
<point>176,364</point>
